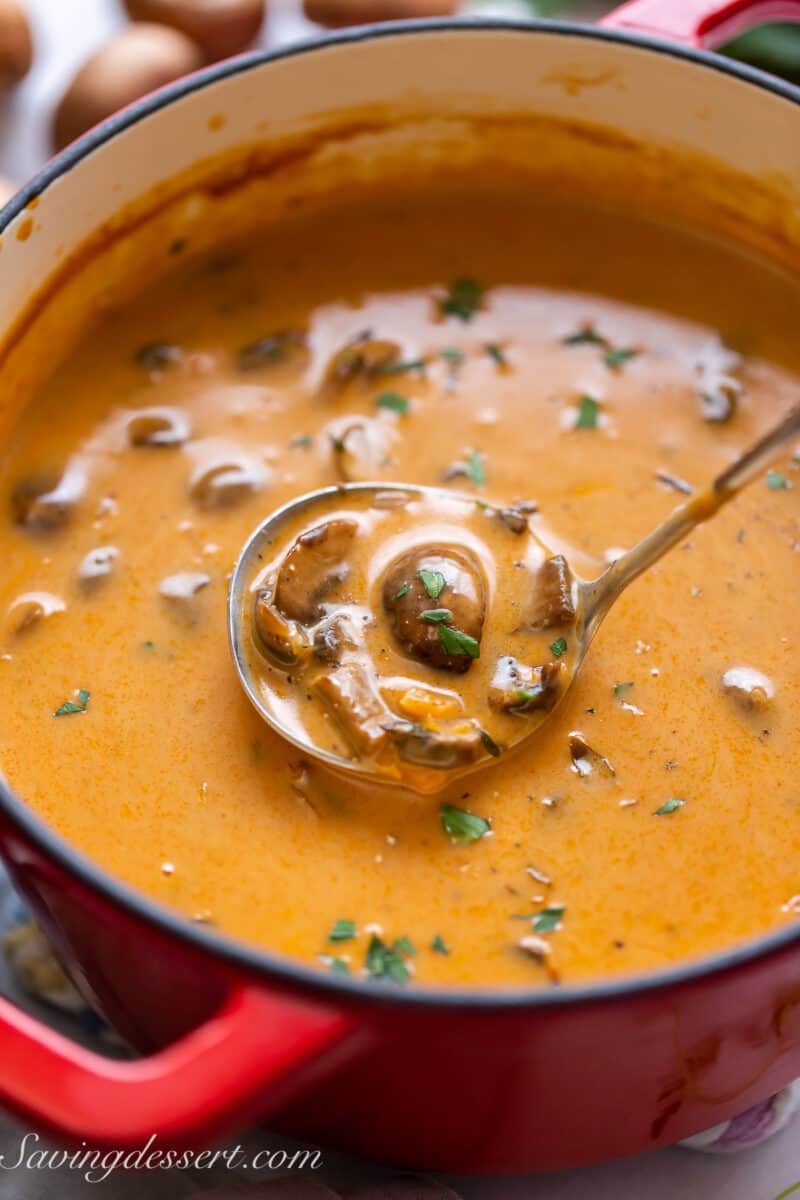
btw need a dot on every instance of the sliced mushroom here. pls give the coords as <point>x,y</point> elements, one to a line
<point>552,601</point>
<point>748,687</point>
<point>312,569</point>
<point>286,640</point>
<point>334,636</point>
<point>159,427</point>
<point>352,695</point>
<point>181,589</point>
<point>409,604</point>
<point>223,482</point>
<point>97,565</point>
<point>47,501</point>
<point>450,744</point>
<point>515,516</point>
<point>31,609</point>
<point>363,357</point>
<point>361,447</point>
<point>287,345</point>
<point>157,356</point>
<point>718,403</point>
<point>518,688</point>
<point>585,760</point>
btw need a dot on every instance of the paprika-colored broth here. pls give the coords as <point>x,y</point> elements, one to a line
<point>590,365</point>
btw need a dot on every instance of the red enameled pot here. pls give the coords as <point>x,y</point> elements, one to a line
<point>492,1081</point>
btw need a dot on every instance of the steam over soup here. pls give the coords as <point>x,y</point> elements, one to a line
<point>573,373</point>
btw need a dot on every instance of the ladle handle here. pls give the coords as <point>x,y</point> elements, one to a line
<point>603,591</point>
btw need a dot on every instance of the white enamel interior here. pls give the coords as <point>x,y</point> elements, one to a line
<point>643,92</point>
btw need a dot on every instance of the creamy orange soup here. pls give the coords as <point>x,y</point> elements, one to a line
<point>590,366</point>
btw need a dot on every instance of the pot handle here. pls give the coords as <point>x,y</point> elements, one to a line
<point>249,1059</point>
<point>698,22</point>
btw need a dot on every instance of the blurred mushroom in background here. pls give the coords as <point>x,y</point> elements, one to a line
<point>337,13</point>
<point>219,27</point>
<point>16,45</point>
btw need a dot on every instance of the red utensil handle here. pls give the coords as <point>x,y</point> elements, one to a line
<point>257,1052</point>
<point>698,22</point>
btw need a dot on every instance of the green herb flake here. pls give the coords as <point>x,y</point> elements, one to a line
<point>490,745</point>
<point>343,930</point>
<point>303,441</point>
<point>434,583</point>
<point>70,706</point>
<point>406,946</point>
<point>393,402</point>
<point>463,299</point>
<point>585,337</point>
<point>740,536</point>
<point>588,413</point>
<point>402,591</point>
<point>463,826</point>
<point>529,695</point>
<point>402,367</point>
<point>549,919</point>
<point>386,962</point>
<point>452,355</point>
<point>497,354</point>
<point>559,647</point>
<point>476,468</point>
<point>617,356</point>
<point>148,647</point>
<point>437,616</point>
<point>453,641</point>
<point>439,946</point>
<point>337,966</point>
<point>621,689</point>
<point>670,806</point>
<point>777,481</point>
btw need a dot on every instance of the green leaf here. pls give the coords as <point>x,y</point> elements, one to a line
<point>497,354</point>
<point>490,745</point>
<point>402,591</point>
<point>400,368</point>
<point>740,536</point>
<point>302,442</point>
<point>70,706</point>
<point>386,962</point>
<point>476,468</point>
<point>337,965</point>
<point>463,826</point>
<point>622,689</point>
<point>559,647</point>
<point>452,355</point>
<point>670,806</point>
<point>453,641</point>
<point>585,337</point>
<point>437,616</point>
<point>434,583</point>
<point>588,413</point>
<point>549,919</point>
<point>776,481</point>
<point>148,646</point>
<point>394,402</point>
<point>619,355</point>
<point>439,946</point>
<point>463,299</point>
<point>343,931</point>
<point>405,946</point>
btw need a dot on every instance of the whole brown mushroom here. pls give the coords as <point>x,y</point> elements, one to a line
<point>430,591</point>
<point>219,27</point>
<point>337,13</point>
<point>16,46</point>
<point>139,60</point>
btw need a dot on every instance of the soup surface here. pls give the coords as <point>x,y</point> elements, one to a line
<point>591,366</point>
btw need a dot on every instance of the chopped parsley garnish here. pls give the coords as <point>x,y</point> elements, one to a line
<point>549,919</point>
<point>585,337</point>
<point>670,806</point>
<point>588,413</point>
<point>453,641</point>
<point>476,468</point>
<point>559,647</point>
<point>463,826</point>
<point>439,946</point>
<point>616,356</point>
<point>400,368</point>
<point>394,402</point>
<point>387,962</point>
<point>740,536</point>
<point>452,355</point>
<point>622,689</point>
<point>405,946</point>
<point>777,481</point>
<point>402,591</point>
<point>437,616</point>
<point>343,930</point>
<point>490,745</point>
<point>70,706</point>
<point>148,646</point>
<point>463,299</point>
<point>302,442</point>
<point>496,354</point>
<point>529,695</point>
<point>337,965</point>
<point>434,583</point>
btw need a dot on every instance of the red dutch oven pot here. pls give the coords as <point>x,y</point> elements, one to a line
<point>492,1081</point>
